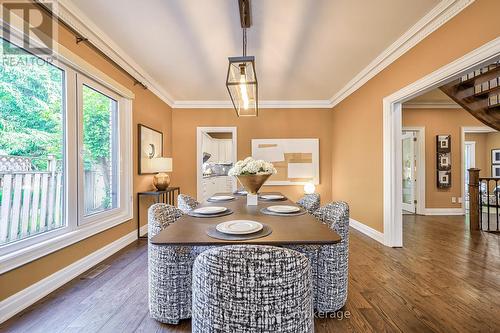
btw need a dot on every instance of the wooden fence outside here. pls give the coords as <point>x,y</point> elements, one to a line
<point>31,201</point>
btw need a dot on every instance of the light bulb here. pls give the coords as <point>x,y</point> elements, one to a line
<point>309,188</point>
<point>243,88</point>
<point>244,93</point>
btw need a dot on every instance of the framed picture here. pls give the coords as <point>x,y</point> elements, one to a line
<point>495,156</point>
<point>150,146</point>
<point>444,143</point>
<point>444,179</point>
<point>495,171</point>
<point>444,161</point>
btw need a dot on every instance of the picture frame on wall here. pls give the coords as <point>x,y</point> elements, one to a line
<point>495,171</point>
<point>150,146</point>
<point>443,161</point>
<point>495,156</point>
<point>444,179</point>
<point>444,143</point>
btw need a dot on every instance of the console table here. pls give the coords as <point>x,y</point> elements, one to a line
<point>168,196</point>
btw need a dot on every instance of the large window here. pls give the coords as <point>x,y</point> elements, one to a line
<point>99,151</point>
<point>32,150</point>
<point>65,154</point>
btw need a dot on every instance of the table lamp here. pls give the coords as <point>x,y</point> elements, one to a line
<point>161,165</point>
<point>309,188</point>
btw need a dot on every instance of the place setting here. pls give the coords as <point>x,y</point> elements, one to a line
<point>272,197</point>
<point>221,198</point>
<point>283,210</point>
<point>210,211</point>
<point>239,230</point>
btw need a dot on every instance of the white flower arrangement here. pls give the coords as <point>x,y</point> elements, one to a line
<point>249,166</point>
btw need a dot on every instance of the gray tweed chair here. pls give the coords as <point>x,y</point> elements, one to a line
<point>310,202</point>
<point>329,263</point>
<point>252,288</point>
<point>186,203</point>
<point>169,269</point>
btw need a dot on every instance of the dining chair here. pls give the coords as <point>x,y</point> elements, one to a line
<point>310,202</point>
<point>186,203</point>
<point>252,288</point>
<point>169,269</point>
<point>329,263</point>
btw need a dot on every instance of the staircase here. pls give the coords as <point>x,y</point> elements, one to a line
<point>479,93</point>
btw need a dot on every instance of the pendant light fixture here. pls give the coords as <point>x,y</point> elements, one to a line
<point>241,81</point>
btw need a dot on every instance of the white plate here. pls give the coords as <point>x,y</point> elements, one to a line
<point>283,209</point>
<point>239,227</point>
<point>241,192</point>
<point>222,198</point>
<point>272,197</point>
<point>210,210</point>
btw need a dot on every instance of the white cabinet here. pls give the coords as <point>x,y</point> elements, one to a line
<point>221,150</point>
<point>212,185</point>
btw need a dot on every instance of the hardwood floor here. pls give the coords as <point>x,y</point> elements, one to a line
<point>443,280</point>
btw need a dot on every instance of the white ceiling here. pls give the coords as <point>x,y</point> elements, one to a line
<point>304,49</point>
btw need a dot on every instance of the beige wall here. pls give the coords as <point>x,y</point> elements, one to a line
<point>357,131</point>
<point>147,109</point>
<point>441,122</point>
<point>485,143</point>
<point>271,124</point>
<point>482,159</point>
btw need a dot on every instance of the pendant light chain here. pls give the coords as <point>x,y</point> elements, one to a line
<point>244,42</point>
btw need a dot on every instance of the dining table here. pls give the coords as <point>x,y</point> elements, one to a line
<point>286,230</point>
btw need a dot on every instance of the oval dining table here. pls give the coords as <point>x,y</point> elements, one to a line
<point>302,229</point>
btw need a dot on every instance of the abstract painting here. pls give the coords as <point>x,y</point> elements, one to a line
<point>296,160</point>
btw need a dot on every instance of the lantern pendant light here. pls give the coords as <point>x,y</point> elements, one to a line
<point>241,81</point>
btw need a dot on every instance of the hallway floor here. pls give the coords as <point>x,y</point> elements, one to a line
<point>444,279</point>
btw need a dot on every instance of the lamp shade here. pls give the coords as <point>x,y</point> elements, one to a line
<point>161,164</point>
<point>241,83</point>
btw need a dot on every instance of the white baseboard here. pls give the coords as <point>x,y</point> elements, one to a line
<point>444,211</point>
<point>370,232</point>
<point>143,230</point>
<point>26,297</point>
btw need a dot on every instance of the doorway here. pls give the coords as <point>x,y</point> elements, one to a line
<point>409,169</point>
<point>470,162</point>
<point>215,155</point>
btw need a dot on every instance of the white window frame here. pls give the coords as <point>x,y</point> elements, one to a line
<point>18,253</point>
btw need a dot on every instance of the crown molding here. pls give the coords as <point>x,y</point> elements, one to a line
<point>305,104</point>
<point>74,17</point>
<point>431,105</point>
<point>432,21</point>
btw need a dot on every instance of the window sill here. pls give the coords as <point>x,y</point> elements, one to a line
<point>21,257</point>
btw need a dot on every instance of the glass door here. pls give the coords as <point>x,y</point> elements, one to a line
<point>409,172</point>
<point>470,162</point>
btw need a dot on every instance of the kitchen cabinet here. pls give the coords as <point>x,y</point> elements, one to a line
<point>217,184</point>
<point>221,150</point>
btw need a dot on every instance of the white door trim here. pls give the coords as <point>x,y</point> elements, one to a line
<point>463,130</point>
<point>393,221</point>
<point>199,161</point>
<point>420,155</point>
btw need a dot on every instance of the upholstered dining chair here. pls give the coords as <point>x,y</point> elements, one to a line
<point>169,269</point>
<point>186,203</point>
<point>252,288</point>
<point>329,263</point>
<point>310,202</point>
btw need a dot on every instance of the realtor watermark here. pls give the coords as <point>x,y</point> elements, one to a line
<point>28,26</point>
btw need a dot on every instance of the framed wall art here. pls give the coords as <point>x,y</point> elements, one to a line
<point>296,160</point>
<point>443,159</point>
<point>150,146</point>
<point>495,171</point>
<point>495,156</point>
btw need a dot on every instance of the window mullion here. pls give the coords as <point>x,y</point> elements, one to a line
<point>71,146</point>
